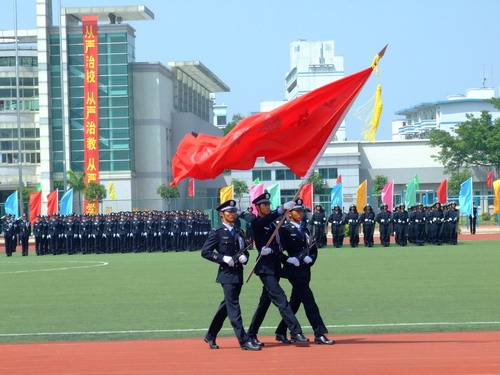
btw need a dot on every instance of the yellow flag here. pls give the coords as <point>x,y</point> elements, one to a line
<point>361,196</point>
<point>111,191</point>
<point>226,193</point>
<point>496,192</point>
<point>370,132</point>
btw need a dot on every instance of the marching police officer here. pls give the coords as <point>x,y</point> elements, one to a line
<point>383,219</point>
<point>225,245</point>
<point>24,228</point>
<point>367,220</point>
<point>352,219</point>
<point>268,268</point>
<point>337,221</point>
<point>319,222</point>
<point>301,256</point>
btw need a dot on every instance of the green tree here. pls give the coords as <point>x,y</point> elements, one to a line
<point>456,178</point>
<point>95,192</point>
<point>168,193</point>
<point>476,142</point>
<point>236,119</point>
<point>76,180</point>
<point>319,184</point>
<point>27,190</point>
<point>378,184</point>
<point>240,187</point>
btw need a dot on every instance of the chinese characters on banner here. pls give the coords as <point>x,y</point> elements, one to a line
<point>90,106</point>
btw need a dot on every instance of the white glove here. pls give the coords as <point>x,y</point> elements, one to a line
<point>307,259</point>
<point>294,261</point>
<point>266,251</point>
<point>289,205</point>
<point>228,260</point>
<point>242,259</point>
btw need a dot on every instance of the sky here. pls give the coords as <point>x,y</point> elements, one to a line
<point>436,48</point>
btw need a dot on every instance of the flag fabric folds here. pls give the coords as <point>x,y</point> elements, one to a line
<point>35,205</point>
<point>442,192</point>
<point>306,194</point>
<point>66,205</point>
<point>411,192</point>
<point>275,191</point>
<point>52,203</point>
<point>465,197</point>
<point>387,195</point>
<point>489,180</point>
<point>191,191</point>
<point>337,196</point>
<point>362,196</point>
<point>111,191</point>
<point>11,205</point>
<point>255,191</point>
<point>226,193</point>
<point>294,134</point>
<point>496,193</point>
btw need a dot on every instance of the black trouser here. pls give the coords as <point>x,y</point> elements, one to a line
<point>10,244</point>
<point>436,233</point>
<point>385,234</point>
<point>338,235</point>
<point>472,225</point>
<point>38,245</point>
<point>302,293</point>
<point>452,233</point>
<point>368,234</point>
<point>319,232</point>
<point>45,245</point>
<point>24,244</point>
<point>272,292</point>
<point>402,234</point>
<point>353,235</point>
<point>420,237</point>
<point>229,307</point>
<point>53,244</point>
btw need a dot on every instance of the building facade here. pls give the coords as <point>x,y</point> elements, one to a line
<point>444,114</point>
<point>144,108</point>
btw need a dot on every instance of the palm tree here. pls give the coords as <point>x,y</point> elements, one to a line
<point>76,180</point>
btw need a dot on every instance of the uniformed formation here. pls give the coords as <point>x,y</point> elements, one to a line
<point>289,254</point>
<point>436,224</point>
<point>121,232</point>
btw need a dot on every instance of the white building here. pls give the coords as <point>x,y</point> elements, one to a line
<point>444,114</point>
<point>312,64</point>
<point>220,119</point>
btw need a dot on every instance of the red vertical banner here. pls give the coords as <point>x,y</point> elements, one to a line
<point>306,194</point>
<point>191,191</point>
<point>90,105</point>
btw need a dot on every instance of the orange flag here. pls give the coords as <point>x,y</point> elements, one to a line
<point>362,196</point>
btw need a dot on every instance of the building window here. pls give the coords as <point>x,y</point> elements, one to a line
<point>285,174</point>
<point>328,173</point>
<point>261,174</point>
<point>221,120</point>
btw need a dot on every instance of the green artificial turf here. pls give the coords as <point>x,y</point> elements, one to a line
<point>170,291</point>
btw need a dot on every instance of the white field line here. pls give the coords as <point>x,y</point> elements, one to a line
<point>93,265</point>
<point>183,330</point>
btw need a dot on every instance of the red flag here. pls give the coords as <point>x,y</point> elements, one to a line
<point>35,205</point>
<point>294,134</point>
<point>339,179</point>
<point>442,192</point>
<point>52,203</point>
<point>489,180</point>
<point>191,191</point>
<point>306,194</point>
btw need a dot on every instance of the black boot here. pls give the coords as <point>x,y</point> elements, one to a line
<point>323,340</point>
<point>283,339</point>
<point>300,339</point>
<point>211,343</point>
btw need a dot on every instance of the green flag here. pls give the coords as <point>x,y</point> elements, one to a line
<point>411,192</point>
<point>38,187</point>
<point>256,181</point>
<point>275,192</point>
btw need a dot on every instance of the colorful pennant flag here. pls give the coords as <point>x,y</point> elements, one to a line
<point>35,205</point>
<point>387,195</point>
<point>362,196</point>
<point>465,197</point>
<point>226,193</point>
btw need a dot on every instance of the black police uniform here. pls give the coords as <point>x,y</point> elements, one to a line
<point>268,269</point>
<point>352,218</point>
<point>24,235</point>
<point>225,242</point>
<point>337,222</point>
<point>383,219</point>
<point>367,220</point>
<point>295,241</point>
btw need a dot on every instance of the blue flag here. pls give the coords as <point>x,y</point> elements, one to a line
<point>465,197</point>
<point>337,198</point>
<point>66,203</point>
<point>12,205</point>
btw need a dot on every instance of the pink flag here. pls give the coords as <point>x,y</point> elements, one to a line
<point>255,191</point>
<point>388,195</point>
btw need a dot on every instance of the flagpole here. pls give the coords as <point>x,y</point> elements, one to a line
<point>18,116</point>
